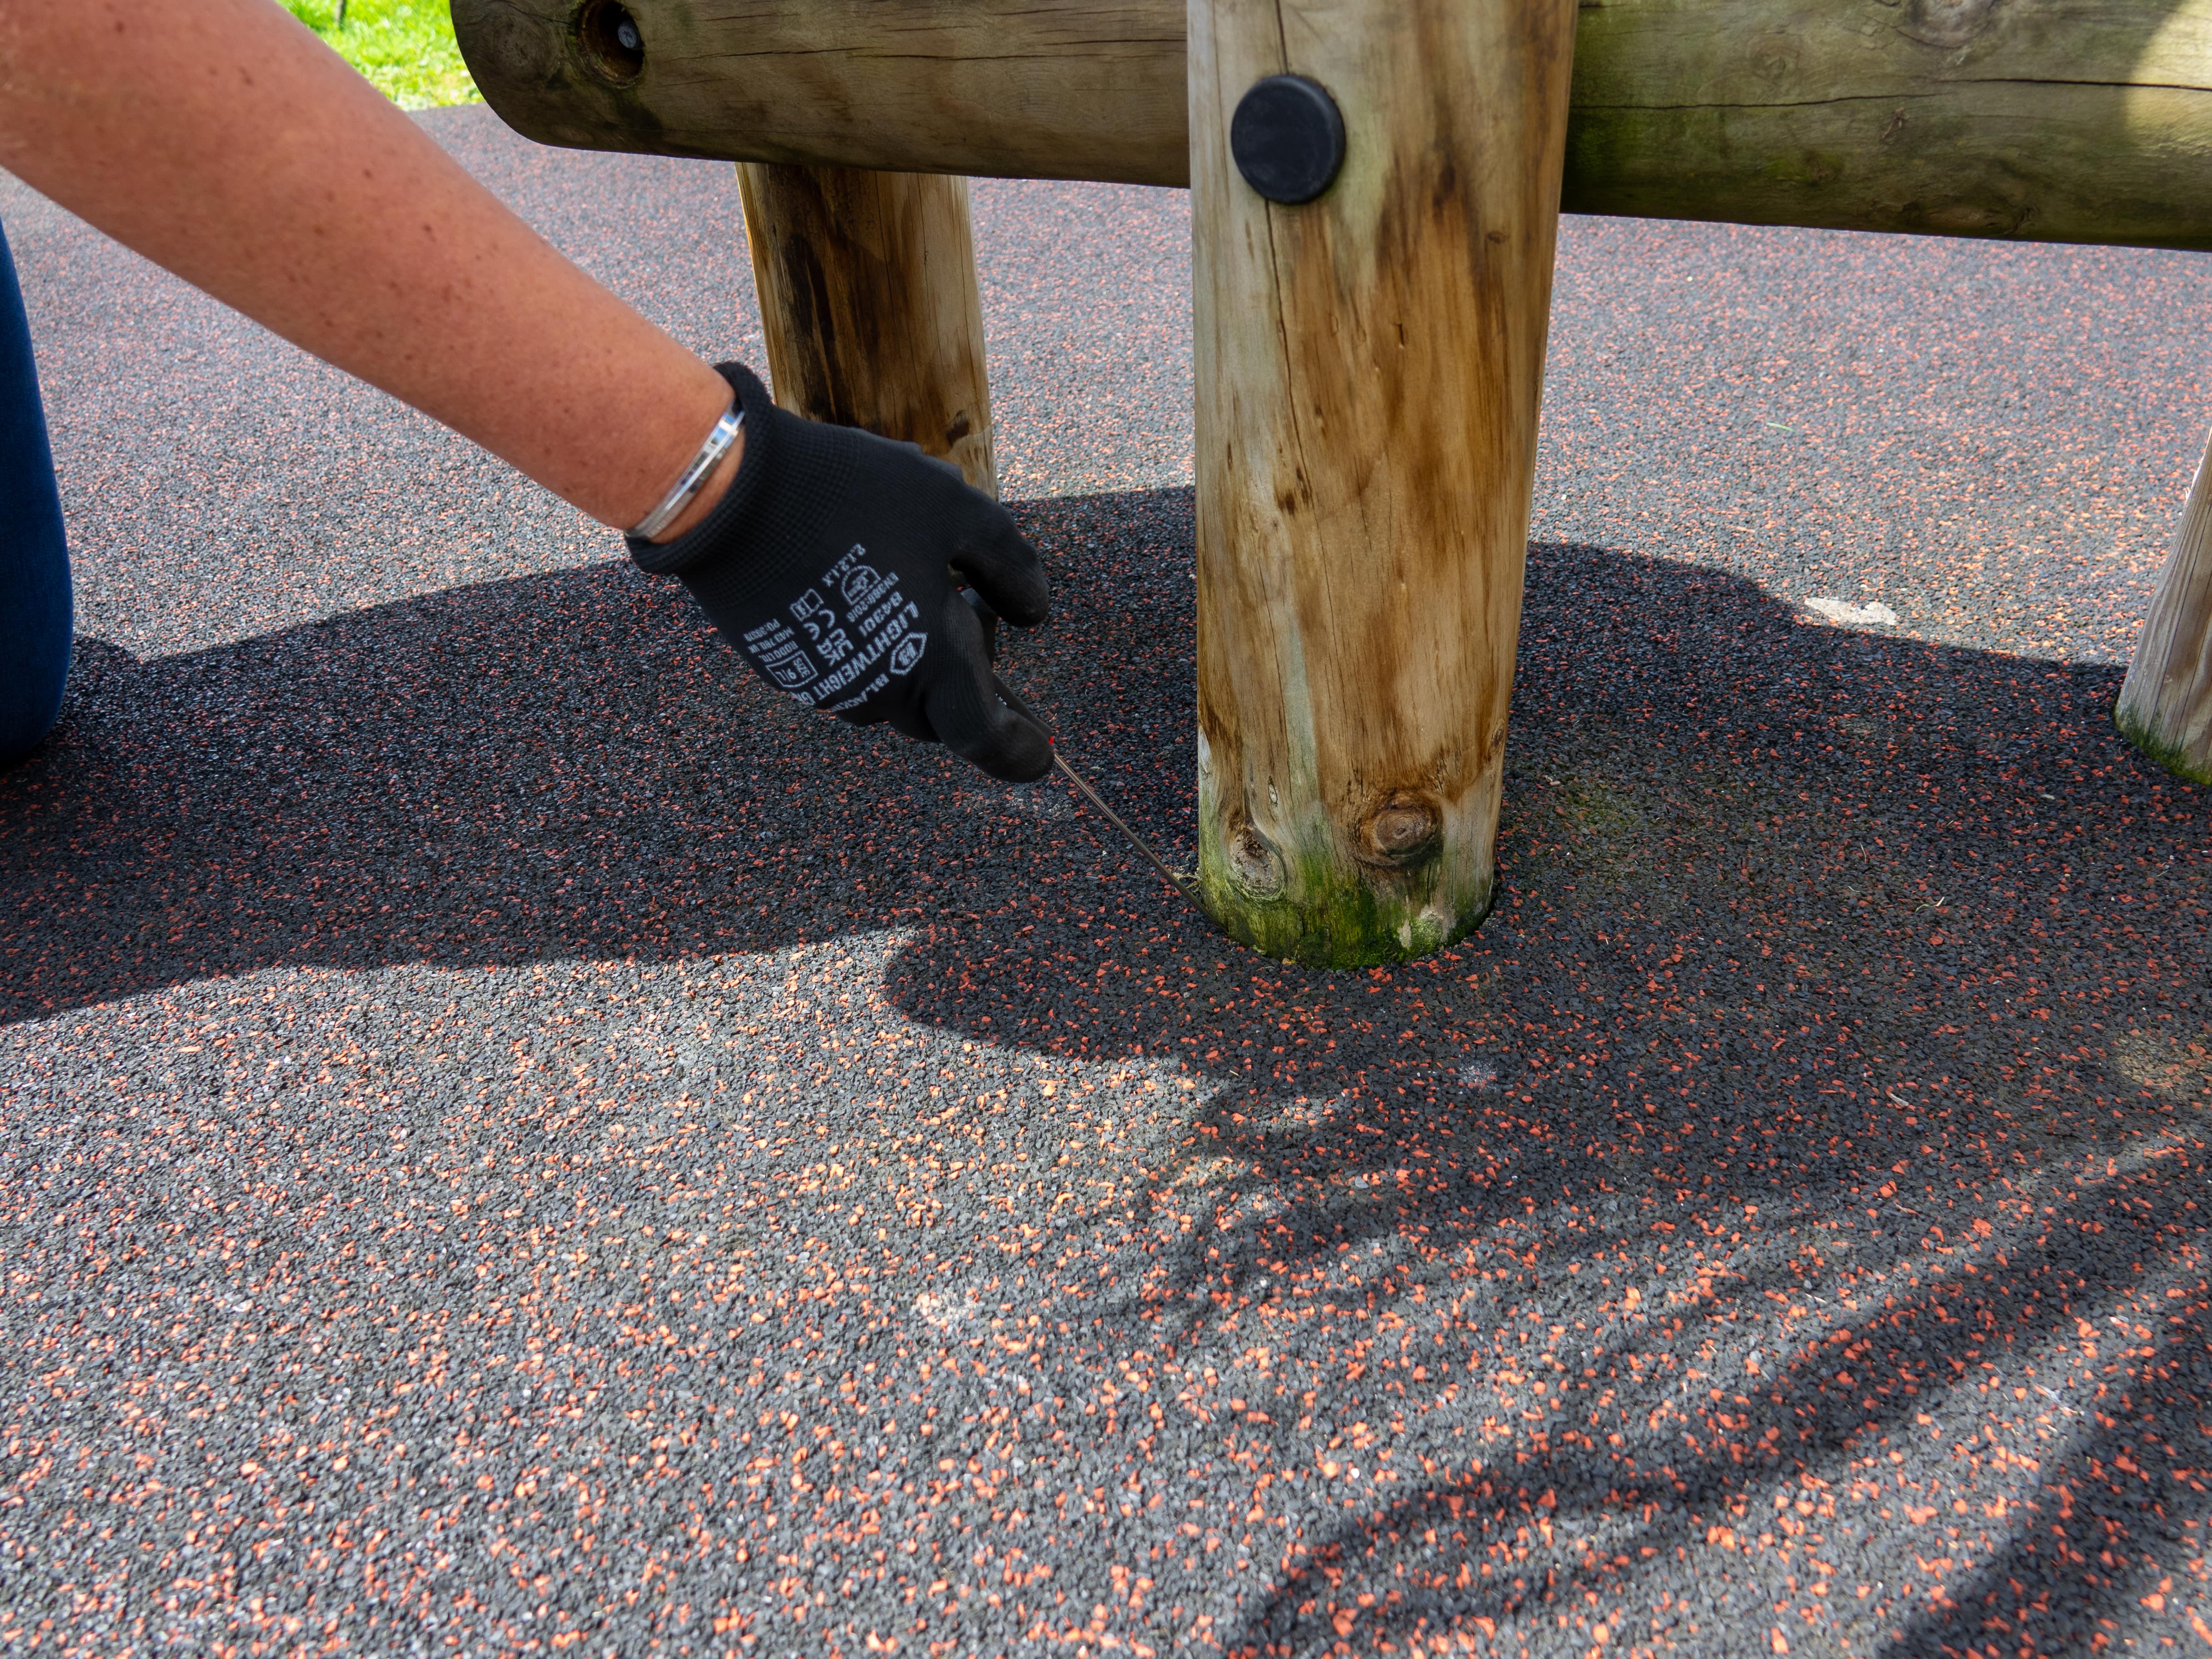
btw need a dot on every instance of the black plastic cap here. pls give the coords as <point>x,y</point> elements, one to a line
<point>1287,137</point>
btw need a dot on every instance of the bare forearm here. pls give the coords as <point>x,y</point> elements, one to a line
<point>222,140</point>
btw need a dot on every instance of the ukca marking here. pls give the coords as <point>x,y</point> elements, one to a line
<point>874,609</point>
<point>831,643</point>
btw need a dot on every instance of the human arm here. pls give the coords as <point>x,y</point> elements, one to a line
<point>222,140</point>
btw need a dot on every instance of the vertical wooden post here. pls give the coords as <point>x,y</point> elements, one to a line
<point>2165,703</point>
<point>1369,367</point>
<point>867,291</point>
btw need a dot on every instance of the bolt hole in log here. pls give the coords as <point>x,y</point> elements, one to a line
<point>609,41</point>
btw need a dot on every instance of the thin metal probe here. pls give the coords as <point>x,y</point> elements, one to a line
<point>1013,700</point>
<point>1135,840</point>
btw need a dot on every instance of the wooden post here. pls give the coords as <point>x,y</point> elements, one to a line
<point>868,295</point>
<point>1368,367</point>
<point>2166,705</point>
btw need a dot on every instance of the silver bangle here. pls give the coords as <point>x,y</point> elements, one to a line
<point>695,476</point>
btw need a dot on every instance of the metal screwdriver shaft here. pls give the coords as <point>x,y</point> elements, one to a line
<point>1012,699</point>
<point>1135,840</point>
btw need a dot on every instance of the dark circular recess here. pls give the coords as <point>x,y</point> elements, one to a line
<point>1288,138</point>
<point>609,40</point>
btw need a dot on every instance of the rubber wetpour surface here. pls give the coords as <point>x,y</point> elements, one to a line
<point>516,1142</point>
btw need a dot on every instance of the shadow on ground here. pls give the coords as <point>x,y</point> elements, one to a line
<point>557,766</point>
<point>1895,946</point>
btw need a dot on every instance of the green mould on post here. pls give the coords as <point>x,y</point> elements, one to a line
<point>1406,882</point>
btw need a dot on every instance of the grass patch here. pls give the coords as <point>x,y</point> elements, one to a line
<point>405,47</point>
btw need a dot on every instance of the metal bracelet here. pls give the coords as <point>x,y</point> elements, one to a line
<point>695,476</point>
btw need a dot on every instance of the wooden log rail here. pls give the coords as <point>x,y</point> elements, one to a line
<point>2054,120</point>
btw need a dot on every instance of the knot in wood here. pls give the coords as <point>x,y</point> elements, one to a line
<point>1947,24</point>
<point>1254,864</point>
<point>1403,830</point>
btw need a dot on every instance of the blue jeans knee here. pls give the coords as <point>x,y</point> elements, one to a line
<point>35,614</point>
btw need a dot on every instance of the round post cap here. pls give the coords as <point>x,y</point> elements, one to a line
<point>1287,138</point>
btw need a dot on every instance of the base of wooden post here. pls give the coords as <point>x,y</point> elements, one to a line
<point>868,296</point>
<point>1299,903</point>
<point>2166,705</point>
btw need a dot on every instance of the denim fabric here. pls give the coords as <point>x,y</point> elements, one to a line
<point>34,575</point>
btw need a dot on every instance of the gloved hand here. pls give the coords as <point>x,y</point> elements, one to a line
<point>826,564</point>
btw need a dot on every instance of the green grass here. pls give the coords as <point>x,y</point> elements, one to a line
<point>404,46</point>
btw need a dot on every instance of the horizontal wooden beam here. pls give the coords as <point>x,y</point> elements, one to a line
<point>2053,120</point>
<point>1009,88</point>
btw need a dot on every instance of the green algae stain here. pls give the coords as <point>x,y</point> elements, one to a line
<point>1329,916</point>
<point>2173,758</point>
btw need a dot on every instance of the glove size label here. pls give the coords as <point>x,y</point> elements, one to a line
<point>853,618</point>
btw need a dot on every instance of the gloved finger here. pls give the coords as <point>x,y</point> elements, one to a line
<point>1008,695</point>
<point>988,618</point>
<point>1013,700</point>
<point>994,556</point>
<point>910,722</point>
<point>963,706</point>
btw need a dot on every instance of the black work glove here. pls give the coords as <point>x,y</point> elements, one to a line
<point>826,564</point>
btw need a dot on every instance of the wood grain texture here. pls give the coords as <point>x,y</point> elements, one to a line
<point>2165,704</point>
<point>2060,120</point>
<point>2057,120</point>
<point>868,296</point>
<point>1076,89</point>
<point>1368,370</point>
